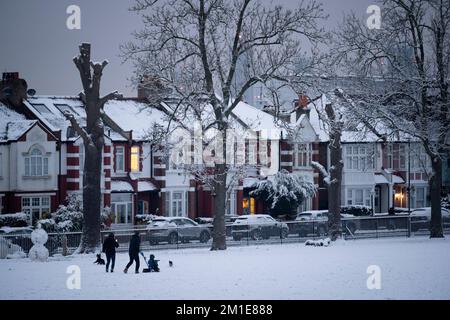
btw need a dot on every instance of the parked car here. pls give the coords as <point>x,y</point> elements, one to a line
<point>174,229</point>
<point>7,248</point>
<point>421,218</point>
<point>316,222</point>
<point>260,226</point>
<point>21,236</point>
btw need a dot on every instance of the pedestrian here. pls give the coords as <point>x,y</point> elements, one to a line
<point>133,251</point>
<point>109,248</point>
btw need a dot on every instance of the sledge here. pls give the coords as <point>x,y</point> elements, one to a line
<point>148,269</point>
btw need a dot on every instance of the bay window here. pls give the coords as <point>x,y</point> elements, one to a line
<point>36,207</point>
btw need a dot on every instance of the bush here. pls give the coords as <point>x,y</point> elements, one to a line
<point>70,218</point>
<point>14,220</point>
<point>356,211</point>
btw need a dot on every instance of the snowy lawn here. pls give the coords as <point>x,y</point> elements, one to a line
<point>415,268</point>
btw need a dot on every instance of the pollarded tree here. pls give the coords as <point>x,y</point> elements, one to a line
<point>285,192</point>
<point>93,139</point>
<point>209,53</point>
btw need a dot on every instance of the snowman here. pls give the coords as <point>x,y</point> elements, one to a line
<point>38,252</point>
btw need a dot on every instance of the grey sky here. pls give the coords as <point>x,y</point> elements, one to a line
<point>36,42</point>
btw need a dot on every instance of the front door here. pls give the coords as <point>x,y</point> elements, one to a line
<point>377,199</point>
<point>121,213</point>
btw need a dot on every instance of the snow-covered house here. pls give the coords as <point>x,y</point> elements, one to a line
<point>375,172</point>
<point>42,157</point>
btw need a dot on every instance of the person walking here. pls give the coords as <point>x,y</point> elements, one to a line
<point>109,248</point>
<point>133,251</point>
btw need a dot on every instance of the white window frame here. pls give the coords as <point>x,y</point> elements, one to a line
<point>40,166</point>
<point>351,197</point>
<point>359,158</point>
<point>303,154</point>
<point>36,203</point>
<point>118,155</point>
<point>179,204</point>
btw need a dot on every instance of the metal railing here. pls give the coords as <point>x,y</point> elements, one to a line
<point>176,237</point>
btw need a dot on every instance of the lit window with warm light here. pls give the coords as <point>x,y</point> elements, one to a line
<point>135,159</point>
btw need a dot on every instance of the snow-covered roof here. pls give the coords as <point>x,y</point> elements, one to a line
<point>146,186</point>
<point>380,179</point>
<point>134,115</point>
<point>50,109</point>
<point>12,124</point>
<point>257,120</point>
<point>397,179</point>
<point>358,134</point>
<point>121,186</point>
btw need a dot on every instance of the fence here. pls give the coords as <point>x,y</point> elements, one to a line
<point>178,237</point>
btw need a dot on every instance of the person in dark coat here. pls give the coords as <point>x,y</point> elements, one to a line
<point>153,264</point>
<point>133,251</point>
<point>109,248</point>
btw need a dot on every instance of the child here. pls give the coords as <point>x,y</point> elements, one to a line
<point>153,264</point>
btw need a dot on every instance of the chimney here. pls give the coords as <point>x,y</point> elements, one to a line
<point>301,106</point>
<point>13,90</point>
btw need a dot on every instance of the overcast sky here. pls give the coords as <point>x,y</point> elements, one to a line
<point>36,43</point>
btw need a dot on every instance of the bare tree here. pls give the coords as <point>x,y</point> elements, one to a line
<point>209,53</point>
<point>401,77</point>
<point>93,140</point>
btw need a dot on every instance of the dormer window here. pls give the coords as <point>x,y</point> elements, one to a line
<point>36,163</point>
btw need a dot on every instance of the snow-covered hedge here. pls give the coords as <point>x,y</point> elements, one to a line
<point>14,220</point>
<point>356,210</point>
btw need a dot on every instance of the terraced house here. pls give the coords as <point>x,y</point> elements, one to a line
<point>42,158</point>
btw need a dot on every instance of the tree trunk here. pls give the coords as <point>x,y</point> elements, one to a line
<point>335,171</point>
<point>93,140</point>
<point>435,194</point>
<point>90,239</point>
<point>220,189</point>
<point>219,232</point>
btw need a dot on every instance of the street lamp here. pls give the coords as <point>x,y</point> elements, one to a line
<point>409,175</point>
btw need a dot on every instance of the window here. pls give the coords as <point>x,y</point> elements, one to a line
<point>176,203</point>
<point>143,207</point>
<point>120,159</point>
<point>36,165</point>
<point>36,207</point>
<point>122,207</point>
<point>303,155</point>
<point>135,159</point>
<point>390,158</point>
<point>359,197</point>
<point>402,157</point>
<point>41,108</point>
<point>359,157</point>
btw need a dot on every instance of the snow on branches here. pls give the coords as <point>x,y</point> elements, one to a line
<point>285,192</point>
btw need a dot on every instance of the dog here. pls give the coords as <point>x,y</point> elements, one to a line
<point>99,260</point>
<point>170,263</point>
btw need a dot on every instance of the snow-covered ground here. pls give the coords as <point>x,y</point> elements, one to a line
<point>415,268</point>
